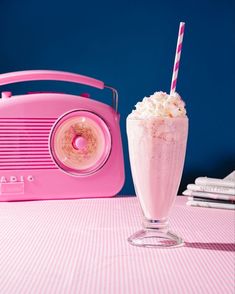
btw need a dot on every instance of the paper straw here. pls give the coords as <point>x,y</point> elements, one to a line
<point>177,57</point>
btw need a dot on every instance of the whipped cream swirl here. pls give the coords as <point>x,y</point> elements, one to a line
<point>160,104</point>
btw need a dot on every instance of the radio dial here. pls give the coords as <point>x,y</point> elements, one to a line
<point>80,142</point>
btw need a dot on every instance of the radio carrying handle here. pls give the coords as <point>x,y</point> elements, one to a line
<point>53,75</point>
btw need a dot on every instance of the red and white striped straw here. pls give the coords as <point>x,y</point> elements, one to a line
<point>177,57</point>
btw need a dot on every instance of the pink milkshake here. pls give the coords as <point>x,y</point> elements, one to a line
<point>157,134</point>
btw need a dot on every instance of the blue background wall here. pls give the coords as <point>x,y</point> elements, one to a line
<point>131,45</point>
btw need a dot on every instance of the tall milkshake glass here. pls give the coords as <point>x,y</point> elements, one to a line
<point>157,145</point>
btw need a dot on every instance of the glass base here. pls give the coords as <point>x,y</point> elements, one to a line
<point>155,234</point>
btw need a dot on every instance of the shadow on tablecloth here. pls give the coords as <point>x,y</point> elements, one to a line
<point>211,246</point>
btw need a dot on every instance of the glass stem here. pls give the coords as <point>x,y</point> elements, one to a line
<point>161,225</point>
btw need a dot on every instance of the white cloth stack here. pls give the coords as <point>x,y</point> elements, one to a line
<point>211,192</point>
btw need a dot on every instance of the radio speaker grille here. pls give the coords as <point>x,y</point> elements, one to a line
<point>24,143</point>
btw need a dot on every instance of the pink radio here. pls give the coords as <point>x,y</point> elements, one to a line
<point>58,146</point>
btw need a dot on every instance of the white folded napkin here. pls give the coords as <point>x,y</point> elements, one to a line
<point>209,195</point>
<point>212,192</point>
<point>231,177</point>
<point>211,189</point>
<point>210,204</point>
<point>204,181</point>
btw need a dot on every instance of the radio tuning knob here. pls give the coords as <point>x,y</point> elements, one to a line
<point>79,143</point>
<point>6,95</point>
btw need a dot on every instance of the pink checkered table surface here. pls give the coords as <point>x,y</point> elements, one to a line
<point>80,246</point>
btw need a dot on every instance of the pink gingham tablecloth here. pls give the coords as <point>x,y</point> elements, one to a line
<point>80,246</point>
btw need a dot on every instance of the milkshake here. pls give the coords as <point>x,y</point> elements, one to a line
<point>157,134</point>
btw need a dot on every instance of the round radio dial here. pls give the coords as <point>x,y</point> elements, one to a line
<point>80,142</point>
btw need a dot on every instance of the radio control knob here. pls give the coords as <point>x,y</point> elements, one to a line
<point>79,143</point>
<point>6,95</point>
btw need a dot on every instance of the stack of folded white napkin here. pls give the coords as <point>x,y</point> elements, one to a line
<point>211,192</point>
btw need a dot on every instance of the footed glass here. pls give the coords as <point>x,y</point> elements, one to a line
<point>157,149</point>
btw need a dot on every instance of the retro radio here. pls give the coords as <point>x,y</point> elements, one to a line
<point>58,146</point>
